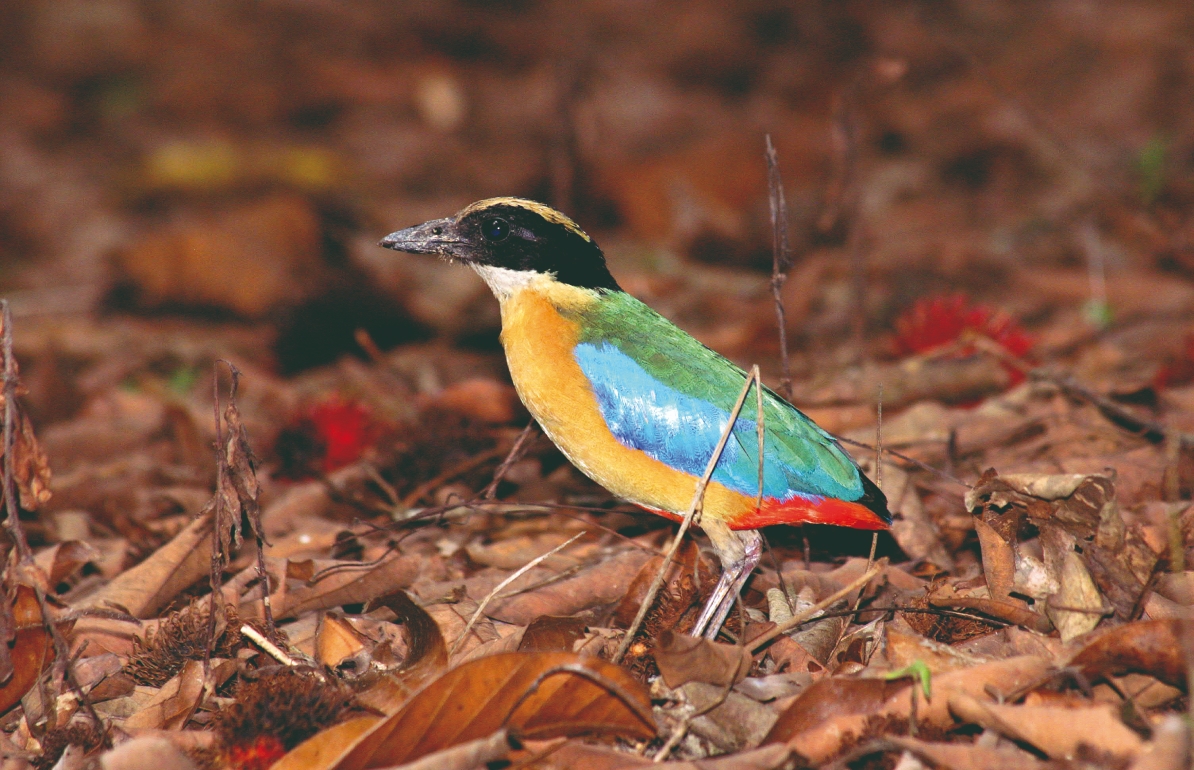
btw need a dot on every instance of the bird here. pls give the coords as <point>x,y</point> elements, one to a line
<point>636,403</point>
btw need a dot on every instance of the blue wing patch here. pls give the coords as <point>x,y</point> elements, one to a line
<point>682,430</point>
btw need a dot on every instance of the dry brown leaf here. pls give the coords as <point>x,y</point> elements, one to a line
<point>1170,747</point>
<point>355,584</point>
<point>426,655</point>
<point>959,756</point>
<point>31,651</point>
<point>324,749</point>
<point>826,738</point>
<point>335,640</point>
<point>728,721</point>
<point>174,702</point>
<point>552,633</point>
<point>537,695</point>
<point>1058,732</point>
<point>999,561</point>
<point>603,583</point>
<point>60,560</point>
<point>1152,647</point>
<point>829,698</point>
<point>148,587</point>
<point>682,659</point>
<point>465,756</point>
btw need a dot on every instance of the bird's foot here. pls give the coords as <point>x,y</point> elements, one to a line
<point>734,576</point>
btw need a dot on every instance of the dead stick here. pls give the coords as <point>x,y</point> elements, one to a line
<point>62,654</point>
<point>781,261</point>
<point>498,588</point>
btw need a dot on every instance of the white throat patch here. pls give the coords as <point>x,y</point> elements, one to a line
<point>505,283</point>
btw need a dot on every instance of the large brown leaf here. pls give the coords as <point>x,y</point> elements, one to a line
<point>32,650</point>
<point>534,695</point>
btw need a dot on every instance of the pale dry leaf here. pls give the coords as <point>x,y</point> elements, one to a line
<point>1056,731</point>
<point>1077,607</point>
<point>958,756</point>
<point>143,753</point>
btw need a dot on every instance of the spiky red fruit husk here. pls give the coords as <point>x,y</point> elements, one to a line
<point>934,322</point>
<point>344,428</point>
<point>261,754</point>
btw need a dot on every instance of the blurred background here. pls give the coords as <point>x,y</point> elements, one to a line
<point>181,181</point>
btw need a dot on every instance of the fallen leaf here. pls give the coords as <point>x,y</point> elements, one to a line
<point>174,703</point>
<point>535,695</point>
<point>956,756</point>
<point>324,749</point>
<point>356,584</point>
<point>1058,732</point>
<point>826,736</point>
<point>1078,607</point>
<point>829,698</point>
<point>551,633</point>
<point>147,588</point>
<point>31,651</point>
<point>999,561</point>
<point>682,659</point>
<point>336,640</point>
<point>1152,647</point>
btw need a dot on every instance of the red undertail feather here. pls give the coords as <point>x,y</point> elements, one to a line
<point>800,510</point>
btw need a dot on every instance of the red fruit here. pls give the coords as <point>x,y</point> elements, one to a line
<point>263,752</point>
<point>934,322</point>
<point>345,429</point>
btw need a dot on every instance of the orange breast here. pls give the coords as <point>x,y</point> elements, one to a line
<point>539,342</point>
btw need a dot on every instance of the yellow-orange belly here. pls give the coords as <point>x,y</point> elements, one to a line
<point>539,344</point>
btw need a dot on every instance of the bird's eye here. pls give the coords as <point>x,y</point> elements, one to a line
<point>496,229</point>
<point>437,231</point>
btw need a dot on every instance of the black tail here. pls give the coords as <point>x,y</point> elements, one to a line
<point>874,499</point>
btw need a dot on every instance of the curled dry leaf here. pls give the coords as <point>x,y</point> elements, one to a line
<point>1152,647</point>
<point>31,651</point>
<point>535,695</point>
<point>999,561</point>
<point>426,655</point>
<point>682,659</point>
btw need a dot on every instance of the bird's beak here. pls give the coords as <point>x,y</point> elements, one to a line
<point>435,237</point>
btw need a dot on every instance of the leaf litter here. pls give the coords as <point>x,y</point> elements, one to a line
<point>364,570</point>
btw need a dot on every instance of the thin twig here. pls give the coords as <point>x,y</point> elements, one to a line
<point>274,651</point>
<point>515,454</point>
<point>800,617</point>
<point>692,516</point>
<point>498,588</point>
<point>781,261</point>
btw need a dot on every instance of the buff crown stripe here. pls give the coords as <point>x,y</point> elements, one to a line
<point>547,212</point>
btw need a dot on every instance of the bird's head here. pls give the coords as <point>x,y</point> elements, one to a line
<point>511,242</point>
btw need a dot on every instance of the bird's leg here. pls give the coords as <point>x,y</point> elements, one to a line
<point>739,553</point>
